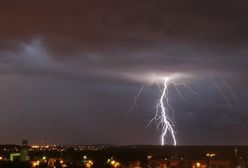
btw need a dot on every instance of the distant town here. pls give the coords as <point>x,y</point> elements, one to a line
<point>133,156</point>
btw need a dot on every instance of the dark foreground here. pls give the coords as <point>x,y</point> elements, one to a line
<point>12,156</point>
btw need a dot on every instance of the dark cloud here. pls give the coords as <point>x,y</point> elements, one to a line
<point>75,65</point>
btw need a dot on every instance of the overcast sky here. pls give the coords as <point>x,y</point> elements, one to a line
<point>69,70</point>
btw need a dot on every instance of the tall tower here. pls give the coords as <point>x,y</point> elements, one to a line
<point>236,152</point>
<point>24,142</point>
<point>44,141</point>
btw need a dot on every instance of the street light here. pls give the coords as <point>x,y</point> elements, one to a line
<point>113,163</point>
<point>209,156</point>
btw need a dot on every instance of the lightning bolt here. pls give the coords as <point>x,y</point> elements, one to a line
<point>161,115</point>
<point>166,125</point>
<point>163,108</point>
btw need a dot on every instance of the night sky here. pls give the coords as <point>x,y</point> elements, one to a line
<point>69,70</point>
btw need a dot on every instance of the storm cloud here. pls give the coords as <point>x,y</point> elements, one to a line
<point>76,65</point>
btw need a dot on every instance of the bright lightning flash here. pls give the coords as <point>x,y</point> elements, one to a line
<point>163,108</point>
<point>161,115</point>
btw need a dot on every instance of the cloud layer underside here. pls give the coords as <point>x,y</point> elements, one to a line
<point>35,58</point>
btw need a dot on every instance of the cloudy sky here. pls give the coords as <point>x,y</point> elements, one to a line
<point>69,70</point>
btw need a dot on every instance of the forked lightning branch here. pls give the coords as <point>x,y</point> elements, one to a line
<point>162,115</point>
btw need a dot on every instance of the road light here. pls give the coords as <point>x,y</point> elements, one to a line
<point>198,164</point>
<point>209,156</point>
<point>113,163</point>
